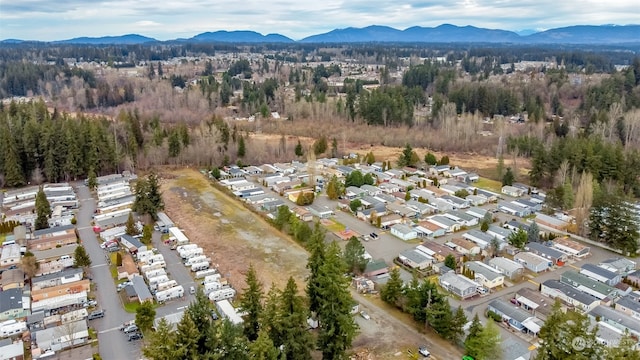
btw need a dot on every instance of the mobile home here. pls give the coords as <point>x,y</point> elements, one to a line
<point>204,273</point>
<point>200,266</point>
<point>196,259</point>
<point>222,294</point>
<point>211,278</point>
<point>170,294</point>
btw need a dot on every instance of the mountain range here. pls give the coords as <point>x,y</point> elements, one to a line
<point>446,33</point>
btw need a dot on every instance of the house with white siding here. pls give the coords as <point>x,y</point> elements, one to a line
<point>572,248</point>
<point>485,275</point>
<point>513,191</point>
<point>600,274</point>
<point>459,285</point>
<point>403,232</point>
<point>501,233</point>
<point>582,302</point>
<point>448,224</point>
<point>532,262</point>
<point>508,267</point>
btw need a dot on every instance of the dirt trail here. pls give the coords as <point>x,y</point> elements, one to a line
<point>234,235</point>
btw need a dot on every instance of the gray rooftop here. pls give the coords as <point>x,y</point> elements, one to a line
<point>10,299</point>
<point>486,271</point>
<point>570,276</point>
<point>510,310</point>
<point>608,313</point>
<point>55,252</point>
<point>457,281</point>
<point>505,263</point>
<point>629,303</point>
<point>571,292</point>
<point>545,250</point>
<point>414,256</point>
<point>141,288</point>
<point>52,230</point>
<point>599,271</point>
<point>70,272</point>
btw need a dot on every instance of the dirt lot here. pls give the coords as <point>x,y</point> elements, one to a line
<point>235,236</point>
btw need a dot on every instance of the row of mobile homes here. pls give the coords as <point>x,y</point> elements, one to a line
<point>222,294</point>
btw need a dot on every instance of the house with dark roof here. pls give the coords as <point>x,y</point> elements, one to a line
<point>13,305</point>
<point>629,306</point>
<point>140,288</point>
<point>600,274</point>
<point>617,319</point>
<point>587,285</point>
<point>130,243</point>
<point>557,257</point>
<point>516,317</point>
<point>534,302</point>
<point>415,259</point>
<point>501,233</point>
<point>571,296</point>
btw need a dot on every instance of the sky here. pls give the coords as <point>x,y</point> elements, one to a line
<point>48,20</point>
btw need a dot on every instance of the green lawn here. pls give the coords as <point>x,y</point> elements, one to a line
<point>489,184</point>
<point>335,226</point>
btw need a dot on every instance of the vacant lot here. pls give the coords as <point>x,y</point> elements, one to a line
<point>233,236</point>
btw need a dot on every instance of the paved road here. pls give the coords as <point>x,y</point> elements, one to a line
<point>113,344</point>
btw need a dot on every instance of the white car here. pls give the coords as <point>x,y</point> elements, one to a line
<point>365,315</point>
<point>423,351</point>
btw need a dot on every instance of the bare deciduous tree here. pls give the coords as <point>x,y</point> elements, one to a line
<point>583,201</point>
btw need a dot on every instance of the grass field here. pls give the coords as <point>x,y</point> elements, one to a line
<point>489,184</point>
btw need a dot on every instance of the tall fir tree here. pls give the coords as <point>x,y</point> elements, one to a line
<point>295,339</point>
<point>337,325</point>
<point>392,291</point>
<point>43,210</point>
<point>160,344</point>
<point>316,247</point>
<point>251,303</point>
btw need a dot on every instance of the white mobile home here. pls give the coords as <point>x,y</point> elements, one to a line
<point>200,266</point>
<point>227,311</point>
<point>170,294</point>
<point>181,238</point>
<point>153,273</point>
<point>211,278</point>
<point>166,285</point>
<point>212,286</point>
<point>204,273</point>
<point>222,294</point>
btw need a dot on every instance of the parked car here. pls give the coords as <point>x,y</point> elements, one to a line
<point>423,351</point>
<point>130,329</point>
<point>135,336</point>
<point>214,316</point>
<point>89,303</point>
<point>192,290</point>
<point>127,323</point>
<point>365,315</point>
<point>95,314</point>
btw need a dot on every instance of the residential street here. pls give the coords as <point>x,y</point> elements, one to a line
<point>114,344</point>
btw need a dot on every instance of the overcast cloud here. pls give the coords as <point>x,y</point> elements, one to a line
<point>169,19</point>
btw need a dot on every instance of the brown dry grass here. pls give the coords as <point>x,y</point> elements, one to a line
<point>234,235</point>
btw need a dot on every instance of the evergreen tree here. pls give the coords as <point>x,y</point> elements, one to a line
<point>263,348</point>
<point>13,175</point>
<point>80,257</point>
<point>334,148</point>
<point>43,210</point>
<point>391,292</point>
<point>508,177</point>
<point>533,233</point>
<point>441,319</point>
<point>294,337</point>
<point>337,325</point>
<point>354,256</point>
<point>148,199</point>
<point>174,144</point>
<point>558,333</point>
<point>92,181</point>
<point>251,303</point>
<point>241,147</point>
<point>472,344</point>
<point>298,149</point>
<point>368,179</point>
<point>320,145</point>
<point>518,238</point>
<point>186,338</point>
<point>145,315</point>
<point>161,344</point>
<point>232,344</point>
<point>625,350</point>
<point>316,247</point>
<point>130,226</point>
<point>457,325</point>
<point>450,262</point>
<point>147,234</point>
<point>430,159</point>
<point>199,311</point>
<point>215,173</point>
